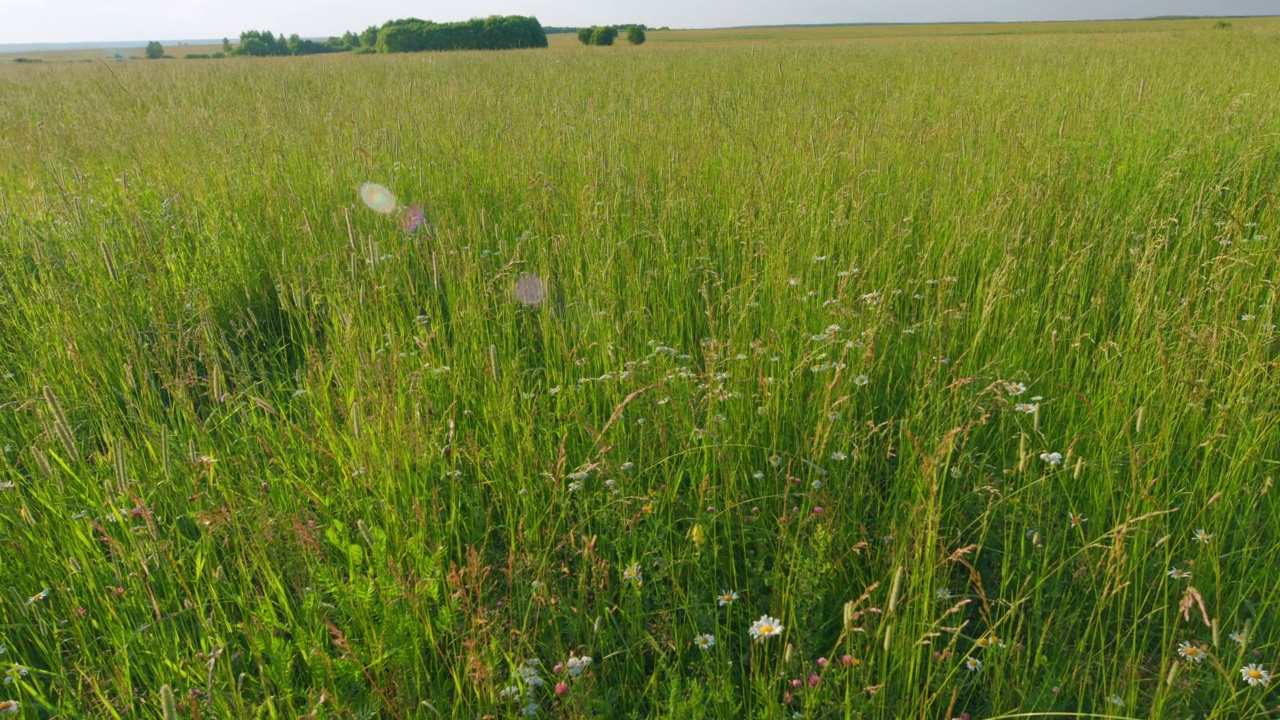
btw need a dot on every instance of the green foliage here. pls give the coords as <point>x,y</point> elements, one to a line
<point>1222,25</point>
<point>584,35</point>
<point>635,35</point>
<point>603,35</point>
<point>154,51</point>
<point>260,442</point>
<point>492,33</point>
<point>227,47</point>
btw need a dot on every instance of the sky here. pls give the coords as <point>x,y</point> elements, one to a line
<point>37,21</point>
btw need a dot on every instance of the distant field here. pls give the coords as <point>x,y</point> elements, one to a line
<point>818,373</point>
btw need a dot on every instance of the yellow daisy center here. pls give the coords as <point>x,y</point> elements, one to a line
<point>1255,674</point>
<point>766,629</point>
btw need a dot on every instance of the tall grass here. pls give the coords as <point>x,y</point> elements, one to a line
<point>272,457</point>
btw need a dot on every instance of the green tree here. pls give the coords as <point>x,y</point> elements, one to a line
<point>635,35</point>
<point>226,46</point>
<point>584,35</point>
<point>155,50</point>
<point>603,35</point>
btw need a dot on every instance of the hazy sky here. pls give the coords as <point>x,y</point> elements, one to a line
<point>30,21</point>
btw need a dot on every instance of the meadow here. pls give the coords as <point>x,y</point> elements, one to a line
<point>930,376</point>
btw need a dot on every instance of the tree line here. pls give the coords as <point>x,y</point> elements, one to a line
<point>496,32</point>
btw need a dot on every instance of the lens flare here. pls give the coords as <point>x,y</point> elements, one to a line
<point>530,290</point>
<point>411,219</point>
<point>378,198</point>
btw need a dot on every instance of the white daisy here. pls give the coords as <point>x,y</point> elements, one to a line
<point>1201,536</point>
<point>1255,675</point>
<point>727,597</point>
<point>1015,388</point>
<point>1028,408</point>
<point>1191,653</point>
<point>705,641</point>
<point>1177,574</point>
<point>765,627</point>
<point>972,664</point>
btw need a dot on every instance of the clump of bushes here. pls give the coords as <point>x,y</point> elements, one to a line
<point>607,34</point>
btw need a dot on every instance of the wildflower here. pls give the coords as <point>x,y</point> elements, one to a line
<point>861,380</point>
<point>1028,408</point>
<point>579,476</point>
<point>1015,388</point>
<point>1077,519</point>
<point>839,456</point>
<point>632,573</point>
<point>943,594</point>
<point>727,597</point>
<point>529,710</point>
<point>577,665</point>
<point>705,641</point>
<point>1177,574</point>
<point>509,692</point>
<point>1053,458</point>
<point>7,485</point>
<point>972,664</point>
<point>774,460</point>
<point>814,679</point>
<point>1255,675</point>
<point>562,687</point>
<point>990,640</point>
<point>848,660</point>
<point>1191,653</point>
<point>1116,700</point>
<point>1238,637</point>
<point>9,707</point>
<point>759,475</point>
<point>822,662</point>
<point>628,466</point>
<point>765,627</point>
<point>38,597</point>
<point>575,486</point>
<point>1201,536</point>
<point>12,674</point>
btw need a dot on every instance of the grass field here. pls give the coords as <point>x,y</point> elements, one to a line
<point>954,356</point>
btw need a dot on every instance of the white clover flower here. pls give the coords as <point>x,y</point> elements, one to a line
<point>575,664</point>
<point>765,627</point>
